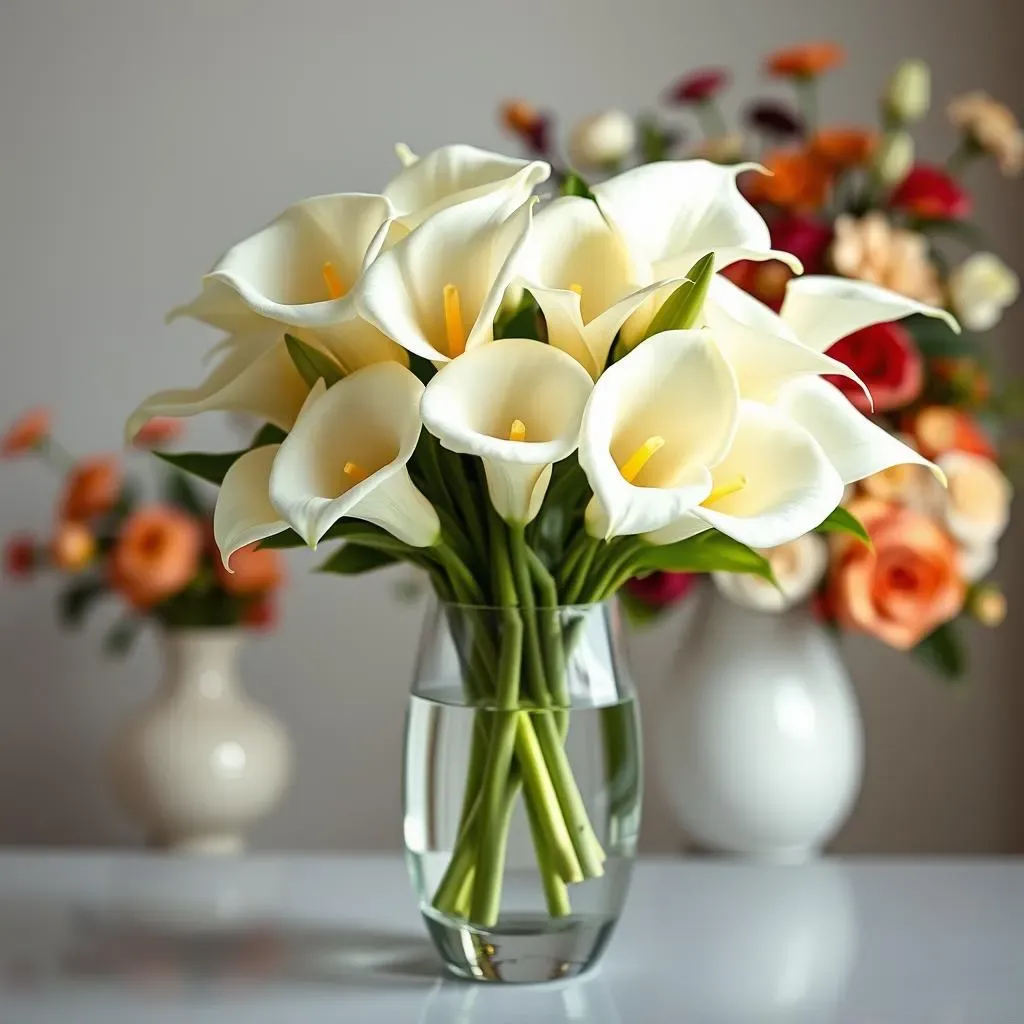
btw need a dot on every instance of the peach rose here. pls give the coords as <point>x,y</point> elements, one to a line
<point>156,555</point>
<point>91,489</point>
<point>905,585</point>
<point>72,547</point>
<point>25,433</point>
<point>253,571</point>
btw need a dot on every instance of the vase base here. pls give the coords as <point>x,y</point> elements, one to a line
<point>216,844</point>
<point>521,949</point>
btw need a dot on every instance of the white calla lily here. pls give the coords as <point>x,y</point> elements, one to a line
<point>455,174</point>
<point>774,485</point>
<point>855,446</point>
<point>517,404</point>
<point>347,456</point>
<point>300,268</point>
<point>584,279</point>
<point>255,375</point>
<point>436,292</point>
<point>655,422</point>
<point>820,309</point>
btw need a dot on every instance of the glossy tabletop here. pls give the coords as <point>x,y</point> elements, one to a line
<point>104,939</point>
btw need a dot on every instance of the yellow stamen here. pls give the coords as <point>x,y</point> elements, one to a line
<point>355,472</point>
<point>577,288</point>
<point>453,328</point>
<point>725,490</point>
<point>631,469</point>
<point>333,280</point>
<point>517,432</point>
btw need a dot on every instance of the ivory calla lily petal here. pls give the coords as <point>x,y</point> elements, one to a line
<point>436,292</point>
<point>347,456</point>
<point>820,309</point>
<point>256,376</point>
<point>853,444</point>
<point>243,513</point>
<point>300,269</point>
<point>517,404</point>
<point>655,422</point>
<point>774,485</point>
<point>455,174</point>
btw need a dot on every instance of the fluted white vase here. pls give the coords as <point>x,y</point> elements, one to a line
<point>200,762</point>
<point>759,745</point>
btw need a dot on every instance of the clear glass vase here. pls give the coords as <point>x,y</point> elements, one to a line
<point>522,788</point>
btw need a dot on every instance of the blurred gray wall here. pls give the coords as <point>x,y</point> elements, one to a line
<point>138,139</point>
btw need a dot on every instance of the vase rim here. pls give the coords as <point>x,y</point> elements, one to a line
<point>224,633</point>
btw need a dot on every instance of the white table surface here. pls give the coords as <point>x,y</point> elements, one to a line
<point>104,938</point>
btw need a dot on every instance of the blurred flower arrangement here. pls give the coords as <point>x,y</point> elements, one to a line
<point>159,558</point>
<point>857,201</point>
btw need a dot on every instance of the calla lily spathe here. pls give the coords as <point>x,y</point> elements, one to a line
<point>517,404</point>
<point>436,292</point>
<point>774,485</point>
<point>255,375</point>
<point>347,456</point>
<point>578,268</point>
<point>455,174</point>
<point>655,423</point>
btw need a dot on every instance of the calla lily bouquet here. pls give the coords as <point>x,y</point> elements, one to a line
<point>860,201</point>
<point>533,401</point>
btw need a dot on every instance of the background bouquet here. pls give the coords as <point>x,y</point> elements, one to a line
<point>858,201</point>
<point>157,557</point>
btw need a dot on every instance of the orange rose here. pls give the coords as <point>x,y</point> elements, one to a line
<point>842,148</point>
<point>156,555</point>
<point>25,433</point>
<point>937,429</point>
<point>806,60</point>
<point>253,571</point>
<point>799,181</point>
<point>72,547</point>
<point>91,489</point>
<point>905,585</point>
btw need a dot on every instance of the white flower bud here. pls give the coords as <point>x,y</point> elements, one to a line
<point>981,288</point>
<point>909,94</point>
<point>602,140</point>
<point>895,158</point>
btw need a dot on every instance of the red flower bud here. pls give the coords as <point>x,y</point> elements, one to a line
<point>21,556</point>
<point>661,589</point>
<point>698,86</point>
<point>930,193</point>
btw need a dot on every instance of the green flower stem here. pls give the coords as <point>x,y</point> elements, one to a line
<point>550,630</point>
<point>556,895</point>
<point>465,502</point>
<point>534,659</point>
<point>619,562</point>
<point>578,578</point>
<point>465,587</point>
<point>807,98</point>
<point>572,556</point>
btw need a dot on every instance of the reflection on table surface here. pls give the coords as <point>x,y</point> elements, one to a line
<point>88,938</point>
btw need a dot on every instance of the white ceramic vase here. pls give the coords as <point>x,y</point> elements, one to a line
<point>200,761</point>
<point>759,741</point>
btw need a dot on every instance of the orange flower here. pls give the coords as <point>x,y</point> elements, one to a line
<point>72,547</point>
<point>843,148</point>
<point>253,571</point>
<point>938,429</point>
<point>902,587</point>
<point>806,60</point>
<point>799,180</point>
<point>91,489</point>
<point>25,433</point>
<point>156,432</point>
<point>156,555</point>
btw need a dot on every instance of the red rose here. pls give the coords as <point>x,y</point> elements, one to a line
<point>886,358</point>
<point>929,192</point>
<point>698,86</point>
<point>806,238</point>
<point>20,556</point>
<point>661,589</point>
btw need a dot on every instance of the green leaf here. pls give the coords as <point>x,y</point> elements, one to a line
<point>683,306</point>
<point>354,559</point>
<point>574,185</point>
<point>77,599</point>
<point>707,552</point>
<point>209,466</point>
<point>268,434</point>
<point>121,636</point>
<point>523,322</point>
<point>936,339</point>
<point>181,493</point>
<point>312,364</point>
<point>842,521</point>
<point>945,652</point>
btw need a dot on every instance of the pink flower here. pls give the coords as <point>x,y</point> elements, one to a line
<point>805,237</point>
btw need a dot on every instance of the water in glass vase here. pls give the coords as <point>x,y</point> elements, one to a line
<point>540,928</point>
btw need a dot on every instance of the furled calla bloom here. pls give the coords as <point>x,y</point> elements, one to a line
<point>243,514</point>
<point>977,505</point>
<point>981,288</point>
<point>456,174</point>
<point>775,484</point>
<point>517,404</point>
<point>347,456</point>
<point>578,268</point>
<point>798,568</point>
<point>256,375</point>
<point>436,292</point>
<point>655,422</point>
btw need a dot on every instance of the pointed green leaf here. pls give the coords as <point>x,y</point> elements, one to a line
<point>944,652</point>
<point>209,466</point>
<point>842,521</point>
<point>354,559</point>
<point>707,552</point>
<point>312,364</point>
<point>682,308</point>
<point>268,434</point>
<point>574,185</point>
<point>343,528</point>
